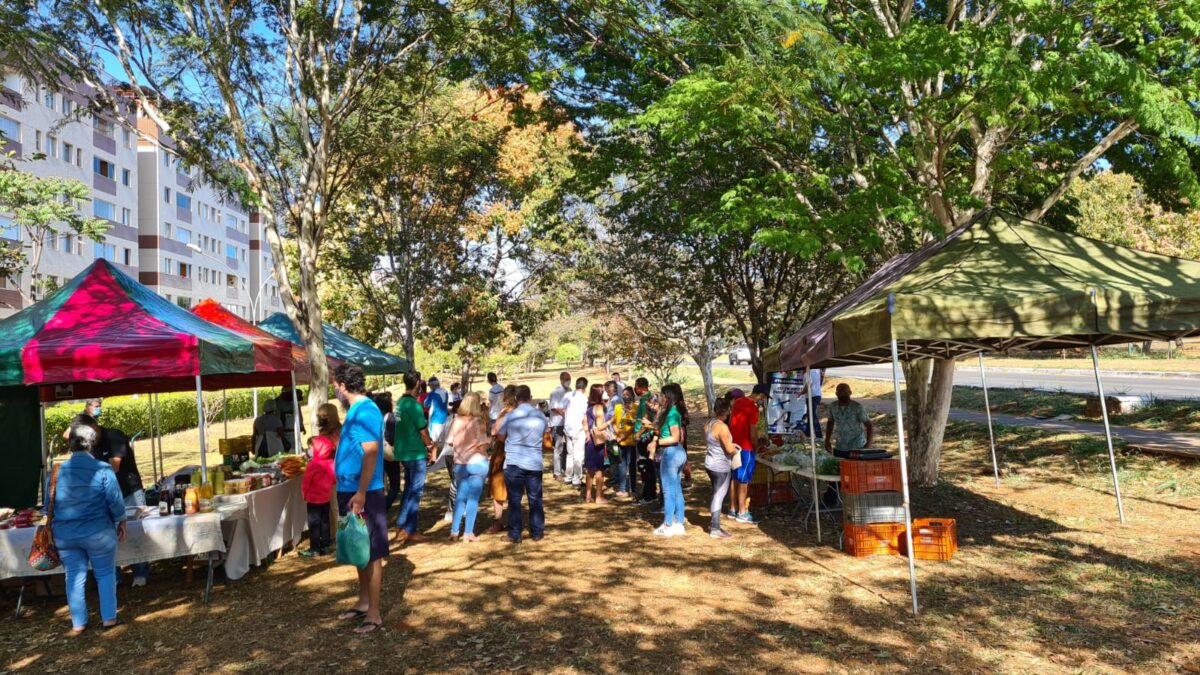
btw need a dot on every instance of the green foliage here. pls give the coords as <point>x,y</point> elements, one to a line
<point>504,365</point>
<point>430,360</point>
<point>176,412</point>
<point>40,207</point>
<point>1114,207</point>
<point>568,353</point>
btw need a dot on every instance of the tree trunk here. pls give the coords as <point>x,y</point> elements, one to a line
<point>1146,347</point>
<point>410,340</point>
<point>929,383</point>
<point>465,377</point>
<point>704,359</point>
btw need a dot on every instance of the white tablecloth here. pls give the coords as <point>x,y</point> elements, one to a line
<point>146,540</point>
<point>274,517</point>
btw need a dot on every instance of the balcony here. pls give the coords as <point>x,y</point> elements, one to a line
<point>231,263</point>
<point>231,292</point>
<point>184,181</point>
<point>8,145</point>
<point>183,214</point>
<point>104,184</point>
<point>105,143</point>
<point>236,235</point>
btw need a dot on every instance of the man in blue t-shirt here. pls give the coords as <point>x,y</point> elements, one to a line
<point>522,431</point>
<point>437,409</point>
<point>358,470</point>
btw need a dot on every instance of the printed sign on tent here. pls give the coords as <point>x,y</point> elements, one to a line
<point>787,406</point>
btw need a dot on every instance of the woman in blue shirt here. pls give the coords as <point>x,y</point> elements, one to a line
<point>89,520</point>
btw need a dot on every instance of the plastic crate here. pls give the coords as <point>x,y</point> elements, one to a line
<point>879,475</point>
<point>933,539</point>
<point>861,541</point>
<point>780,492</point>
<point>873,507</point>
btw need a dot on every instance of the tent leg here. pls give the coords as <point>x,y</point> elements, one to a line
<point>812,437</point>
<point>988,409</point>
<point>45,459</point>
<point>1112,457</point>
<point>203,432</point>
<point>295,416</point>
<point>150,434</point>
<point>162,461</point>
<point>912,565</point>
<point>225,410</point>
<point>256,403</point>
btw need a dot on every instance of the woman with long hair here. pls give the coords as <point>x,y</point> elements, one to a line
<point>720,450</point>
<point>669,446</point>
<point>685,422</point>
<point>318,482</point>
<point>469,438</point>
<point>594,446</point>
<point>495,479</point>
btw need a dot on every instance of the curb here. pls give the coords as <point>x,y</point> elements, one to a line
<point>1161,374</point>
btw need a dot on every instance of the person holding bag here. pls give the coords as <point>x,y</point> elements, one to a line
<point>87,517</point>
<point>719,461</point>
<point>470,440</point>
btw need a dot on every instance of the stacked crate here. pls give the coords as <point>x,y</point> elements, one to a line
<point>872,507</point>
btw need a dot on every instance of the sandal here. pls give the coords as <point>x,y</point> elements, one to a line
<point>110,626</point>
<point>353,614</point>
<point>368,627</point>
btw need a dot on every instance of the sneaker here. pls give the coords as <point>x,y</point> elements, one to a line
<point>138,582</point>
<point>678,530</point>
<point>662,531</point>
<point>310,553</point>
<point>719,534</point>
<point>747,518</point>
<point>448,517</point>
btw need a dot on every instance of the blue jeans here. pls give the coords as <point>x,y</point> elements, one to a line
<point>624,457</point>
<point>99,549</point>
<point>140,570</point>
<point>519,482</point>
<point>410,499</point>
<point>673,459</point>
<point>469,478</point>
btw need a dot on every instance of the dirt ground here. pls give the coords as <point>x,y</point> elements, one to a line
<point>1045,580</point>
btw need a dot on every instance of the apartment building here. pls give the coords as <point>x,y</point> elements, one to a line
<point>97,150</point>
<point>194,235</point>
<point>262,272</point>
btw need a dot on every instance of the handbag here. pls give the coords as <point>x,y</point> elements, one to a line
<point>43,555</point>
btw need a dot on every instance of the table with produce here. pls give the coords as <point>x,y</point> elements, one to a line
<point>793,455</point>
<point>272,516</point>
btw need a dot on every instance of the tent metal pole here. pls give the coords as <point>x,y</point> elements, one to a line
<point>1112,457</point>
<point>988,409</point>
<point>256,403</point>
<point>45,450</point>
<point>912,565</point>
<point>203,432</point>
<point>150,434</point>
<point>295,416</point>
<point>225,410</point>
<point>812,437</point>
<point>162,461</point>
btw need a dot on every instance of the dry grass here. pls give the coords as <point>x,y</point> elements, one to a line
<point>1046,580</point>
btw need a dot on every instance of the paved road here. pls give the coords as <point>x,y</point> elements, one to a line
<point>1073,381</point>
<point>1081,382</point>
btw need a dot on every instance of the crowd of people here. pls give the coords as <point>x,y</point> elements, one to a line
<point>373,451</point>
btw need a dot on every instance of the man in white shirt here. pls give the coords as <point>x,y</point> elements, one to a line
<point>559,459</point>
<point>574,406</point>
<point>495,394</point>
<point>616,378</point>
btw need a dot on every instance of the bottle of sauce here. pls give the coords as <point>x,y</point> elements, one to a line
<point>177,503</point>
<point>164,503</point>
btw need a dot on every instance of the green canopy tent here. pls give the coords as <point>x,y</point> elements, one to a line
<point>341,346</point>
<point>997,284</point>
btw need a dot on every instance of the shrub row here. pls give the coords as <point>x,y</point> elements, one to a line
<point>176,412</point>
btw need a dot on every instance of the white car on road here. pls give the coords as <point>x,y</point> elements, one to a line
<point>739,355</point>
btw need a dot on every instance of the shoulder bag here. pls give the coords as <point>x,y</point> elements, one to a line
<point>43,555</point>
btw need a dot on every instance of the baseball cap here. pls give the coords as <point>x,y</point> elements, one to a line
<point>736,393</point>
<point>764,389</point>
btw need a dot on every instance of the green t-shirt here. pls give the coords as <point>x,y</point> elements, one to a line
<point>673,419</point>
<point>410,420</point>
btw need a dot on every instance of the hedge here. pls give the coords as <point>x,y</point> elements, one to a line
<point>176,412</point>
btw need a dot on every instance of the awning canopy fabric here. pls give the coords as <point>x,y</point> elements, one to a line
<point>1001,283</point>
<point>103,326</point>
<point>341,346</point>
<point>214,312</point>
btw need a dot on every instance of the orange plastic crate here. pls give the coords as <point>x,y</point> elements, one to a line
<point>933,539</point>
<point>879,475</point>
<point>780,493</point>
<point>861,541</point>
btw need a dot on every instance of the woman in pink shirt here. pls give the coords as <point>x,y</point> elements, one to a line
<point>469,438</point>
<point>317,484</point>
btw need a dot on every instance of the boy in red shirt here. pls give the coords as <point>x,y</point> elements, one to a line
<point>743,426</point>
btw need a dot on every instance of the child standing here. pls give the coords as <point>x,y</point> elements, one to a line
<point>317,485</point>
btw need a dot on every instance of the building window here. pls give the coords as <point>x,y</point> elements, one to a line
<point>51,146</point>
<point>103,209</point>
<point>78,157</point>
<point>243,252</point>
<point>231,281</point>
<point>167,195</point>
<point>167,266</point>
<point>126,216</point>
<point>126,138</point>
<point>183,302</point>
<point>10,128</point>
<point>67,106</point>
<point>68,151</point>
<point>125,177</point>
<point>183,235</point>
<point>231,221</point>
<point>183,201</point>
<point>167,231</point>
<point>104,126</point>
<point>230,251</point>
<point>67,240</point>
<point>9,231</point>
<point>185,270</point>
<point>104,168</point>
<point>129,257</point>
<point>48,98</point>
<point>105,251</point>
<point>37,140</point>
<point>166,159</point>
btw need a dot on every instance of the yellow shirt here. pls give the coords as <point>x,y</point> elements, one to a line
<point>623,417</point>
